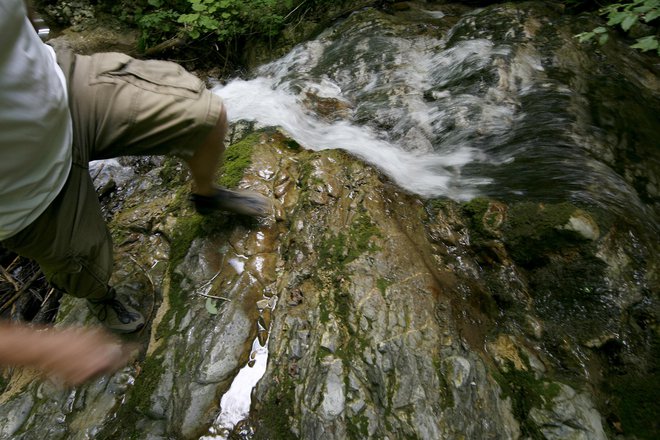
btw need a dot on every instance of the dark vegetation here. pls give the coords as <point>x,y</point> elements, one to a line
<point>24,291</point>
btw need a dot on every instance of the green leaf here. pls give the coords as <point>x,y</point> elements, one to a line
<point>156,3</point>
<point>211,306</point>
<point>616,18</point>
<point>600,30</point>
<point>652,15</point>
<point>646,43</point>
<point>603,39</point>
<point>188,18</point>
<point>584,36</point>
<point>628,22</point>
<point>198,7</point>
<point>642,9</point>
<point>208,23</point>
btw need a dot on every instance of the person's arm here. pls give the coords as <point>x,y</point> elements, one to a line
<point>74,355</point>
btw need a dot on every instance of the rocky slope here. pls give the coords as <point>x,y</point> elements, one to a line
<point>384,316</point>
<point>370,312</point>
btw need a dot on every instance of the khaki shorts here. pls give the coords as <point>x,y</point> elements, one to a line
<point>119,106</point>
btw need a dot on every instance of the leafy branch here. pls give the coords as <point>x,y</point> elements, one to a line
<point>625,15</point>
<point>216,20</point>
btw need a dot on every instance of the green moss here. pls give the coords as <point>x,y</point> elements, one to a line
<point>343,307</point>
<point>446,396</point>
<point>170,171</point>
<point>138,401</point>
<point>474,211</point>
<point>180,199</point>
<point>324,313</point>
<point>526,392</point>
<point>476,208</point>
<point>338,250</point>
<point>187,229</point>
<point>383,284</point>
<point>305,172</point>
<point>238,157</point>
<point>323,353</point>
<point>151,371</point>
<point>532,231</point>
<point>293,145</point>
<point>634,398</point>
<point>357,427</point>
<point>273,414</point>
<point>437,205</point>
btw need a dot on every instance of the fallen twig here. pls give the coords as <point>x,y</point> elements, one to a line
<point>26,286</point>
<point>13,263</point>
<point>212,296</point>
<point>294,9</point>
<point>9,279</point>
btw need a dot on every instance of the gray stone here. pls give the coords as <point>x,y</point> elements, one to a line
<point>334,399</point>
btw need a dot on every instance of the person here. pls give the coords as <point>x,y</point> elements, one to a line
<point>60,111</point>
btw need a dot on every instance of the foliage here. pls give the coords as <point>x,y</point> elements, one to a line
<point>626,15</point>
<point>218,21</point>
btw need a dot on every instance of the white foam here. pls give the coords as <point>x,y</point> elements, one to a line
<point>427,174</point>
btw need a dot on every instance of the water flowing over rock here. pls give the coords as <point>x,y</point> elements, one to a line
<point>389,310</point>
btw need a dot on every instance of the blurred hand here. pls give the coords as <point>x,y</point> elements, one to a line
<point>73,355</point>
<point>77,355</point>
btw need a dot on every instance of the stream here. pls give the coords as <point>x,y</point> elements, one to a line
<point>481,110</point>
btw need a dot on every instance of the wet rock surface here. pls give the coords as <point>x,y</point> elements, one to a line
<point>388,320</point>
<point>385,315</point>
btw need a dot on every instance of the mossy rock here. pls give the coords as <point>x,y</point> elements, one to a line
<point>533,231</point>
<point>485,218</point>
<point>237,158</point>
<point>526,391</point>
<point>338,250</point>
<point>634,400</point>
<point>272,414</point>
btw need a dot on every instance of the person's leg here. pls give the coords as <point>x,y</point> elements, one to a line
<point>208,198</point>
<point>71,243</point>
<point>70,240</point>
<point>155,107</point>
<point>204,162</point>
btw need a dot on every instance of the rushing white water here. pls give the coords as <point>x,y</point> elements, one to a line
<point>235,403</point>
<point>385,117</point>
<point>423,173</point>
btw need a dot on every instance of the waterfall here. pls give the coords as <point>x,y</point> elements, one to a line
<point>475,112</point>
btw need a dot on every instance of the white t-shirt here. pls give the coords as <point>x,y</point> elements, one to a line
<point>35,123</point>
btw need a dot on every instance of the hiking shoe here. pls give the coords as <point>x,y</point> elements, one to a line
<point>116,315</point>
<point>237,201</point>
